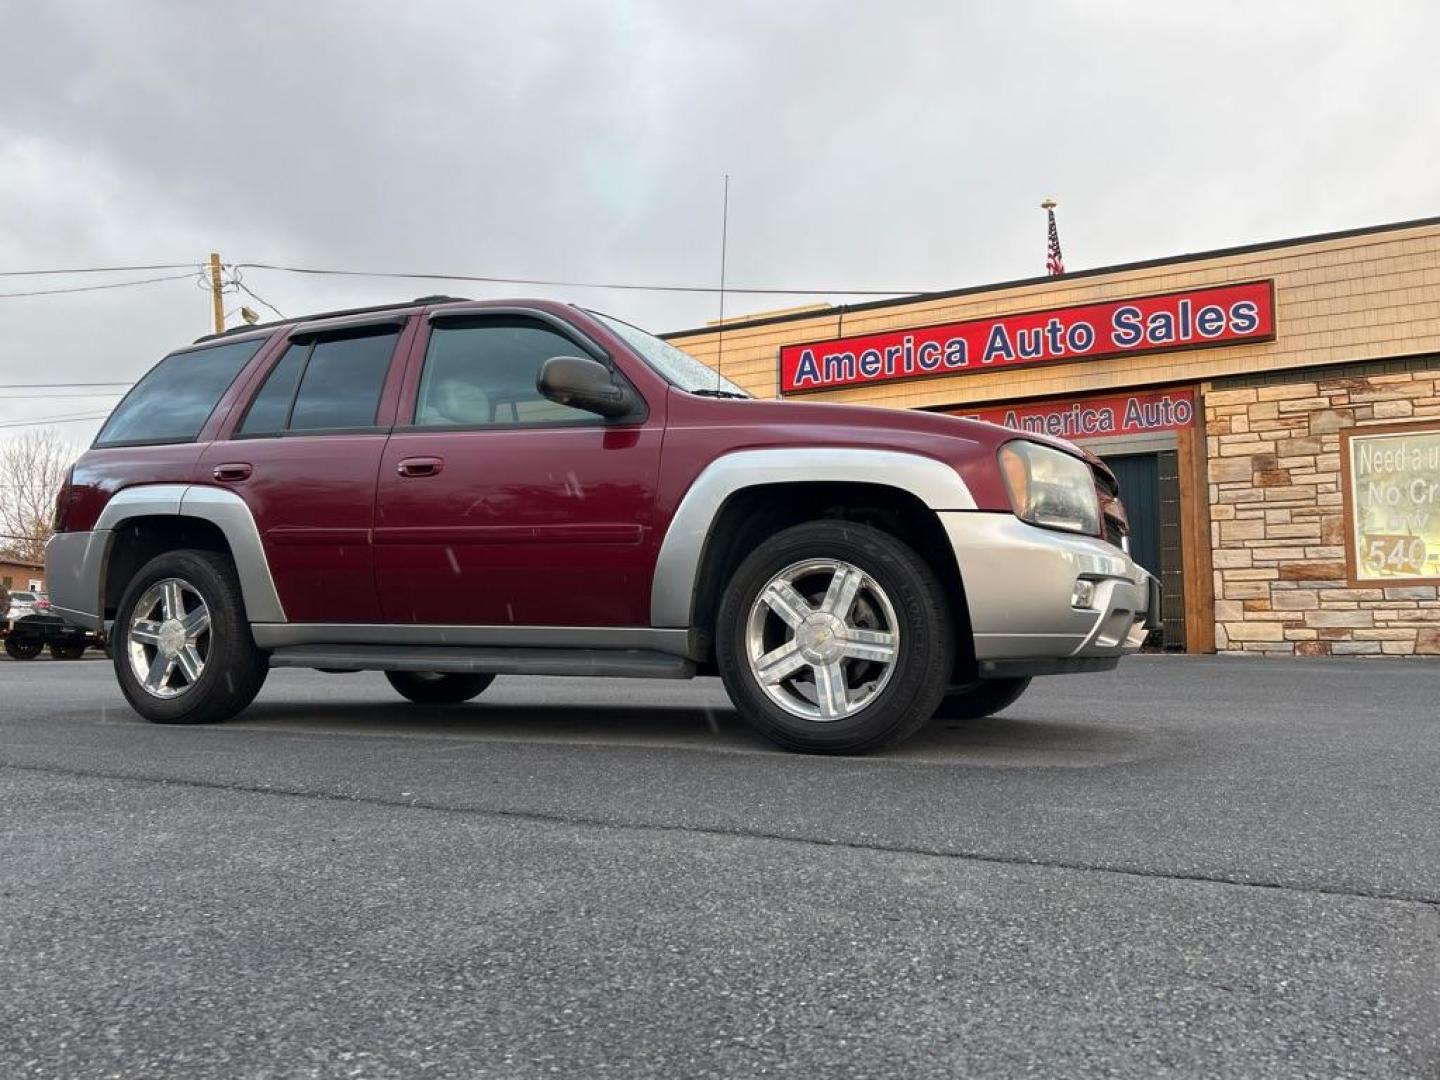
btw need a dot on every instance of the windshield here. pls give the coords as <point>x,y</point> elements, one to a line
<point>679,368</point>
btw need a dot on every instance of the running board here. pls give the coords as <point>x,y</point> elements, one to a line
<point>597,663</point>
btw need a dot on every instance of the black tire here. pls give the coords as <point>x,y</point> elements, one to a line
<point>234,668</point>
<point>433,688</point>
<point>66,652</point>
<point>922,665</point>
<point>22,650</point>
<point>982,698</point>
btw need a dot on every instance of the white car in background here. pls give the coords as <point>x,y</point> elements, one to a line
<point>27,602</point>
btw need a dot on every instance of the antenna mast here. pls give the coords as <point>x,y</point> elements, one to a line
<point>724,235</point>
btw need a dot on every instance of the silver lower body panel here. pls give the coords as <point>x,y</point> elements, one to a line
<point>682,643</point>
<point>1019,585</point>
<point>591,663</point>
<point>74,566</point>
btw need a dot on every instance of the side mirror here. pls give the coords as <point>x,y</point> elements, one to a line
<point>586,384</point>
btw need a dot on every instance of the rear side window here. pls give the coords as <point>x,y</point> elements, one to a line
<point>173,401</point>
<point>324,385</point>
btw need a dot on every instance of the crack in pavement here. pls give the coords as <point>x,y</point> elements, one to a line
<point>581,821</point>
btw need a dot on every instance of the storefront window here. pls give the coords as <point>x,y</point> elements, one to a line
<point>1392,502</point>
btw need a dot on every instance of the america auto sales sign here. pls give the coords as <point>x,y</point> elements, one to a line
<point>1223,315</point>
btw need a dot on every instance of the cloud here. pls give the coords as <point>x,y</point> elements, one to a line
<point>870,146</point>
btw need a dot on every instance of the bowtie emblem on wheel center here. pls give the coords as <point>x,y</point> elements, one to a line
<point>821,638</point>
<point>171,637</point>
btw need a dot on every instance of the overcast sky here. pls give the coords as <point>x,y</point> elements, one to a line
<point>895,145</point>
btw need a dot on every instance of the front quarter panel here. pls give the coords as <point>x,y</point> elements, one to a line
<point>678,562</point>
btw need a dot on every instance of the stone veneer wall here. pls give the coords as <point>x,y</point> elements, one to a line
<point>1277,518</point>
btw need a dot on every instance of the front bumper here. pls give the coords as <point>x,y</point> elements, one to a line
<point>1020,583</point>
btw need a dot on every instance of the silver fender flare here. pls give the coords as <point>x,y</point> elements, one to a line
<point>223,509</point>
<point>672,596</point>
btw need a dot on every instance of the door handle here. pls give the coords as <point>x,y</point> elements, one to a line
<point>231,472</point>
<point>420,466</point>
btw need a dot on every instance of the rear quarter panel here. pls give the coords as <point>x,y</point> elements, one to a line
<point>101,472</point>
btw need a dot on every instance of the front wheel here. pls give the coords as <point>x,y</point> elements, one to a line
<point>980,699</point>
<point>834,637</point>
<point>181,645</point>
<point>66,652</point>
<point>22,650</point>
<point>435,688</point>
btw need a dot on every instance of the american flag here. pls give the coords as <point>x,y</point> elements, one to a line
<point>1054,261</point>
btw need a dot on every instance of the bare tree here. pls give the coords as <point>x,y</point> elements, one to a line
<point>32,468</point>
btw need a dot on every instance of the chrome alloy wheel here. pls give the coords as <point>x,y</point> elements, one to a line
<point>169,638</point>
<point>822,639</point>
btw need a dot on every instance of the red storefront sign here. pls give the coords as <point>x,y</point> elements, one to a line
<point>1097,417</point>
<point>1225,315</point>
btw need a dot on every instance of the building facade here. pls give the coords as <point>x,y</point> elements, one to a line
<point>1272,412</point>
<point>22,575</point>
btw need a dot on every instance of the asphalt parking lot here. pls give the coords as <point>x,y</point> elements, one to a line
<point>1189,867</point>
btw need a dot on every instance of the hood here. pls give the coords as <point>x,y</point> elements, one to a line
<point>825,414</point>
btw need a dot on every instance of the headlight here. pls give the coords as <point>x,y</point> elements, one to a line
<point>1050,488</point>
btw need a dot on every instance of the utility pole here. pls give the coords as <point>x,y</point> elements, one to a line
<point>215,296</point>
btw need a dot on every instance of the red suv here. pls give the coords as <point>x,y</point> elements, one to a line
<point>450,490</point>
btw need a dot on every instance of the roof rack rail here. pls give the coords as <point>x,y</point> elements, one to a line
<point>398,306</point>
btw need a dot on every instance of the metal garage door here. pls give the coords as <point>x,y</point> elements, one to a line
<point>1149,486</point>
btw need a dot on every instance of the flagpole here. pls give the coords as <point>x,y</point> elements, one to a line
<point>1054,261</point>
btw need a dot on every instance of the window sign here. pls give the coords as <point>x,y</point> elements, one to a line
<point>1392,504</point>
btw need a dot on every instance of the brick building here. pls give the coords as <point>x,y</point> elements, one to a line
<point>1273,412</point>
<point>16,574</point>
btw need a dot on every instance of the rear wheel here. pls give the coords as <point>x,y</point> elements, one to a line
<point>66,652</point>
<point>979,699</point>
<point>181,645</point>
<point>834,637</point>
<point>22,650</point>
<point>435,688</point>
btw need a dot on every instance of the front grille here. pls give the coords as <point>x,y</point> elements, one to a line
<point>1114,533</point>
<point>1105,481</point>
<point>1112,510</point>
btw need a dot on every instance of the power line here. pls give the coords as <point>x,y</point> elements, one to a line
<point>256,296</point>
<point>46,420</point>
<point>489,280</point>
<point>58,416</point>
<point>36,396</point>
<point>97,269</point>
<point>54,386</point>
<point>96,288</point>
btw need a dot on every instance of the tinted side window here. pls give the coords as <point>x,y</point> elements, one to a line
<point>271,408</point>
<point>326,384</point>
<point>173,401</point>
<point>342,382</point>
<point>483,375</point>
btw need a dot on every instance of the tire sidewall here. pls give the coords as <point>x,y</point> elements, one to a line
<point>447,689</point>
<point>17,651</point>
<point>230,662</point>
<point>980,699</point>
<point>926,650</point>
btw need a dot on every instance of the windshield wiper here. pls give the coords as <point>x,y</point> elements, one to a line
<point>720,393</point>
